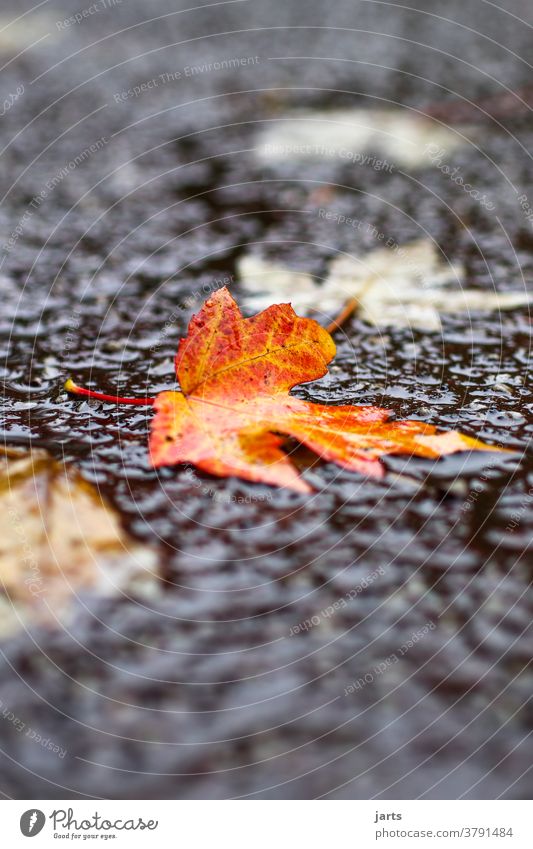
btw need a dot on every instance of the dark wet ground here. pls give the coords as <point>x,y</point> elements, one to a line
<point>204,693</point>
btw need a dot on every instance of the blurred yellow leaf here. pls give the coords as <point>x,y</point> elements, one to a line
<point>57,539</point>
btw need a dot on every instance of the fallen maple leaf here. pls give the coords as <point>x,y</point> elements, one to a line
<point>235,376</point>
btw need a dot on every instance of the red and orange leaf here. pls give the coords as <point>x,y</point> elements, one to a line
<point>235,375</point>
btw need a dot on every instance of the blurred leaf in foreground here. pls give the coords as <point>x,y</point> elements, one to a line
<point>58,539</point>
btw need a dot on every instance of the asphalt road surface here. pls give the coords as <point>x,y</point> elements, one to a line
<point>131,186</point>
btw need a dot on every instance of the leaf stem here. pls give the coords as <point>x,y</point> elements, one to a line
<point>74,389</point>
<point>343,316</point>
<point>495,107</point>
